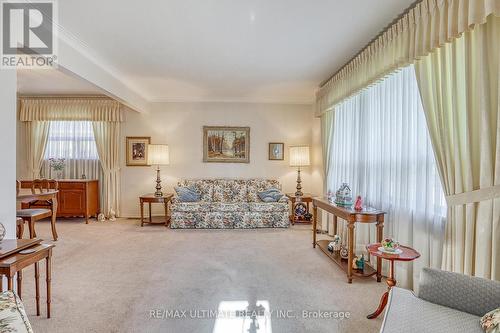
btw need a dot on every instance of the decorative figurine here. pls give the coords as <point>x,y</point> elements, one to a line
<point>112,215</point>
<point>329,196</point>
<point>101,217</point>
<point>359,204</point>
<point>360,263</point>
<point>83,176</point>
<point>343,195</point>
<point>344,252</point>
<point>336,243</point>
<point>330,246</point>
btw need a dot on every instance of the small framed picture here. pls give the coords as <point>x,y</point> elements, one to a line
<point>137,150</point>
<point>276,151</point>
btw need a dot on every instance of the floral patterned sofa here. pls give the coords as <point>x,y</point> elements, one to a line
<point>229,203</point>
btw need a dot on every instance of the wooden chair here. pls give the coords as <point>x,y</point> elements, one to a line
<point>42,209</point>
<point>20,228</point>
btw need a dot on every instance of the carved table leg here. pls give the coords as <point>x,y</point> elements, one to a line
<point>150,214</point>
<point>53,218</point>
<point>142,213</point>
<point>391,282</point>
<point>37,288</point>
<point>315,223</point>
<point>48,280</point>
<point>20,284</point>
<point>380,232</point>
<point>350,226</point>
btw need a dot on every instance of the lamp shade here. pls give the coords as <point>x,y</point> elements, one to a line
<point>299,156</point>
<point>158,155</point>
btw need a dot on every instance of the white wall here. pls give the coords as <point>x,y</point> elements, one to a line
<point>180,126</point>
<point>8,161</point>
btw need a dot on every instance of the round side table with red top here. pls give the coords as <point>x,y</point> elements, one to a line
<point>408,254</point>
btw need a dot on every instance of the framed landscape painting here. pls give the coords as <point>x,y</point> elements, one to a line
<point>226,144</point>
<point>137,150</point>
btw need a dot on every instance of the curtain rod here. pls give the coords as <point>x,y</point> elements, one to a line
<point>387,27</point>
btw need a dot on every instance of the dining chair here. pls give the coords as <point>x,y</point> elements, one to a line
<point>41,208</point>
<point>19,228</point>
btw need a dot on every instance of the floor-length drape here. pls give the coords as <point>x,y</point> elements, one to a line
<point>36,134</point>
<point>107,136</point>
<point>459,84</point>
<point>381,147</point>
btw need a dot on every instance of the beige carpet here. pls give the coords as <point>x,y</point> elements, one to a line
<point>107,277</point>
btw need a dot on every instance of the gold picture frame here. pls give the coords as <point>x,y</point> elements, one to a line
<point>226,144</point>
<point>276,151</point>
<point>137,150</point>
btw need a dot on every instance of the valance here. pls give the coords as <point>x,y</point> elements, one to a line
<point>427,26</point>
<point>79,109</point>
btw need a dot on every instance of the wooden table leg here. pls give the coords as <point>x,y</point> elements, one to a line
<point>380,232</point>
<point>166,214</point>
<point>48,280</point>
<point>1,283</point>
<point>142,213</point>
<point>334,224</point>
<point>150,214</point>
<point>20,284</point>
<point>315,223</point>
<point>350,240</point>
<point>391,282</point>
<point>37,288</point>
<point>53,218</point>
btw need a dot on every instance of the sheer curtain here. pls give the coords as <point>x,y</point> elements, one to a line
<point>381,147</point>
<point>73,141</point>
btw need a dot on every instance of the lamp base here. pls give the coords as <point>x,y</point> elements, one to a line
<point>158,192</point>
<point>298,193</point>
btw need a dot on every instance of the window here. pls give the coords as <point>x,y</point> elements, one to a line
<point>74,141</point>
<point>71,140</point>
<point>381,147</point>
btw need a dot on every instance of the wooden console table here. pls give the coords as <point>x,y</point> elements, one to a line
<point>76,197</point>
<point>351,216</point>
<point>12,262</point>
<point>151,198</point>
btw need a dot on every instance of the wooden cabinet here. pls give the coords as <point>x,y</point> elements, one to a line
<point>76,197</point>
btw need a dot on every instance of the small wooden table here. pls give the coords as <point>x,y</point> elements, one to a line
<point>351,216</point>
<point>408,254</point>
<point>151,198</point>
<point>12,262</point>
<point>307,199</point>
<point>25,196</point>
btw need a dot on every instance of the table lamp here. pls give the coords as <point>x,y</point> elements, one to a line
<point>299,157</point>
<point>158,155</point>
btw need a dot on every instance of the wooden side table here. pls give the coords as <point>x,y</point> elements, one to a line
<point>408,254</point>
<point>151,198</point>
<point>15,263</point>
<point>351,216</point>
<point>307,199</point>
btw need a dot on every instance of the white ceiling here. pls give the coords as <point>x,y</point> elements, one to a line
<point>224,50</point>
<point>50,81</point>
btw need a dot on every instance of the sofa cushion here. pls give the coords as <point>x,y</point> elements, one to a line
<point>270,195</point>
<point>190,207</point>
<point>258,185</point>
<point>407,313</point>
<point>230,190</point>
<point>13,317</point>
<point>229,207</point>
<point>187,194</point>
<point>268,206</point>
<point>203,186</point>
<point>217,220</point>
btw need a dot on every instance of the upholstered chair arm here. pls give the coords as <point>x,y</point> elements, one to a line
<point>465,293</point>
<point>284,199</point>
